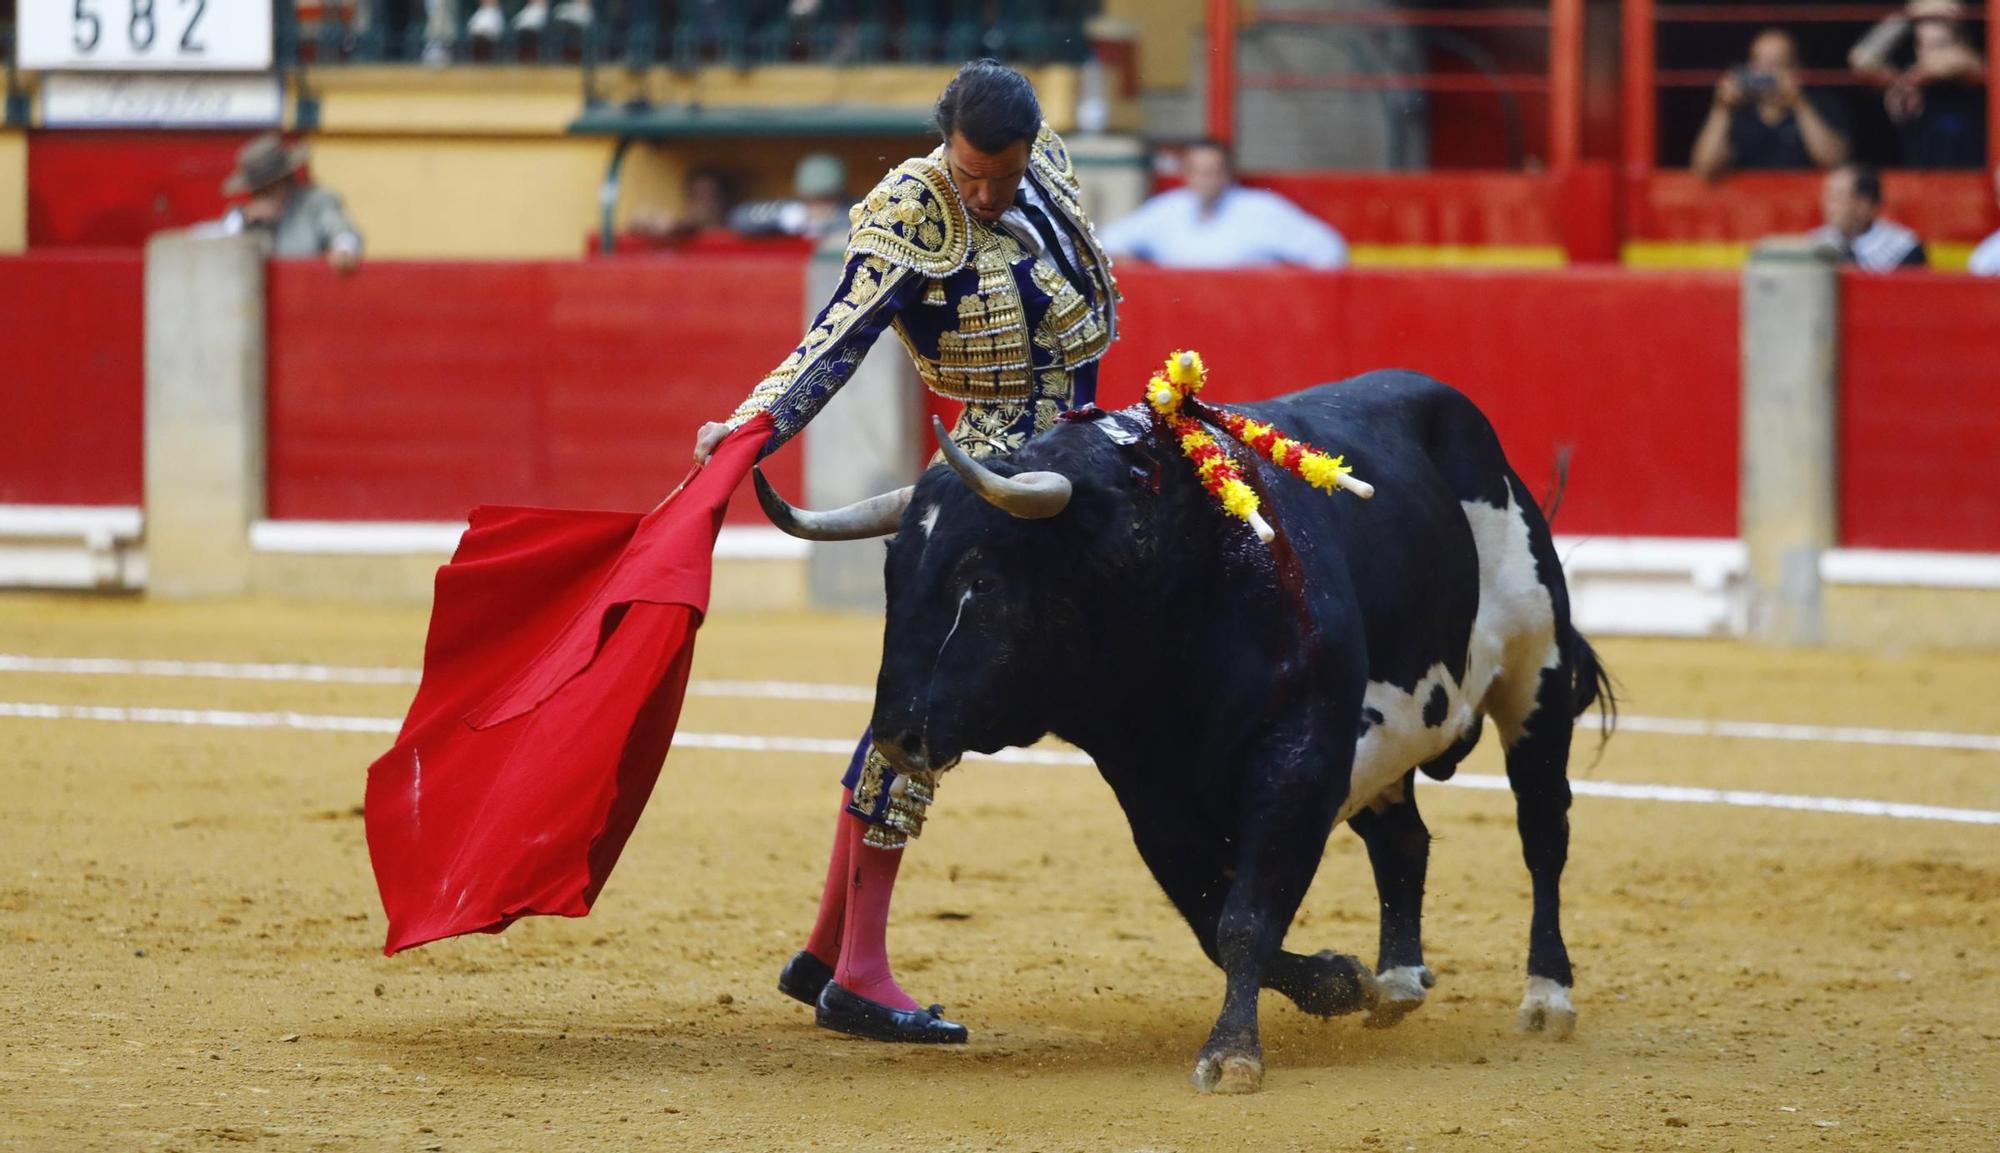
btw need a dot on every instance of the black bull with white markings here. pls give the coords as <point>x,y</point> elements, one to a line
<point>1243,699</point>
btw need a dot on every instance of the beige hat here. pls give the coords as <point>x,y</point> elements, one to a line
<point>820,176</point>
<point>262,163</point>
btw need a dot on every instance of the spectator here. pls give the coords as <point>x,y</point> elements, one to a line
<point>1986,258</point>
<point>299,218</point>
<point>1213,222</point>
<point>1762,119</point>
<point>440,24</point>
<point>1936,102</point>
<point>818,207</point>
<point>489,22</point>
<point>706,198</point>
<point>1849,202</point>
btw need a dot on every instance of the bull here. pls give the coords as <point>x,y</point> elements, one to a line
<point>1242,699</point>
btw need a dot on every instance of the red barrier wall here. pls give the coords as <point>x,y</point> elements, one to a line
<point>416,391</point>
<point>72,352</point>
<point>95,188</point>
<point>413,391</point>
<point>1637,371</point>
<point>1919,412</point>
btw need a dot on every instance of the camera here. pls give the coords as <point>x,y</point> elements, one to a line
<point>1755,83</point>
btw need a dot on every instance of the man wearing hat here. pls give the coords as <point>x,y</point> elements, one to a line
<point>818,207</point>
<point>297,216</point>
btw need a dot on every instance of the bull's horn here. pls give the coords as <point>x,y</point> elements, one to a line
<point>1030,496</point>
<point>876,516</point>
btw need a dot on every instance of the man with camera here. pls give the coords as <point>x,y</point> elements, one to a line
<point>1763,119</point>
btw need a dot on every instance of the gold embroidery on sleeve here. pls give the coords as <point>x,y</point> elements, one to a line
<point>780,393</point>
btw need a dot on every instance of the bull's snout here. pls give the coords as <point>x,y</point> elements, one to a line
<point>909,751</point>
<point>904,749</point>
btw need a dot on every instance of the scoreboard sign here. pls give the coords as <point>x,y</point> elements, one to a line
<point>145,35</point>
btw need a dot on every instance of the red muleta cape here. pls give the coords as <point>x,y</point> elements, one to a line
<point>553,674</point>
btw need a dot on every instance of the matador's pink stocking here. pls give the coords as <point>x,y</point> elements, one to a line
<point>864,952</point>
<point>824,941</point>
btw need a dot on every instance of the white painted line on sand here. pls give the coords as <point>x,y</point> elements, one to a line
<point>211,718</point>
<point>1749,799</point>
<point>862,694</point>
<point>816,746</point>
<point>783,690</point>
<point>207,670</point>
<point>1829,734</point>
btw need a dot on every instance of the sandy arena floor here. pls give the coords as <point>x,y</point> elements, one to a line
<point>189,935</point>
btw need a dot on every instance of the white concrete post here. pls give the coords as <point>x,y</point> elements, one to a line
<point>868,440</point>
<point>1115,173</point>
<point>204,414</point>
<point>1791,356</point>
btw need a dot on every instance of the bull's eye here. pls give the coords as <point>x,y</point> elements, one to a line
<point>981,585</point>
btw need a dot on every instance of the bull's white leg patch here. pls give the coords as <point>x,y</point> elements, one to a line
<point>1403,983</point>
<point>1395,738</point>
<point>1546,1010</point>
<point>1398,993</point>
<point>1514,635</point>
<point>1513,641</point>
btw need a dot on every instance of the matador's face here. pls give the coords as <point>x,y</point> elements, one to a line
<point>986,181</point>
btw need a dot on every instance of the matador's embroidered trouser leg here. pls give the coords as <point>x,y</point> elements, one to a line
<point>893,804</point>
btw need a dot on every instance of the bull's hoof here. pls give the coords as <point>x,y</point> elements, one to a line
<point>1228,1073</point>
<point>1546,1010</point>
<point>1331,984</point>
<point>1398,993</point>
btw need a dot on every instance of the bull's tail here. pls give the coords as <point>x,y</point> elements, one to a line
<point>1552,497</point>
<point>1591,684</point>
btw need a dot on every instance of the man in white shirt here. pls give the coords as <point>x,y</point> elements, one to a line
<point>1986,258</point>
<point>1213,222</point>
<point>1849,201</point>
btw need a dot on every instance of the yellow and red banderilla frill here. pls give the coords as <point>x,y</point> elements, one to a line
<point>1171,394</point>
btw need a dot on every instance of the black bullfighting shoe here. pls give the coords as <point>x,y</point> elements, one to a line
<point>857,1016</point>
<point>803,977</point>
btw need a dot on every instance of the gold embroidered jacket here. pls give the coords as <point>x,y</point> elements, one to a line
<point>1014,334</point>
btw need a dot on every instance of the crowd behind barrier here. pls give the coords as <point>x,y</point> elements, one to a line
<point>392,395</point>
<point>1920,64</point>
<point>680,33</point>
<point>1923,65</point>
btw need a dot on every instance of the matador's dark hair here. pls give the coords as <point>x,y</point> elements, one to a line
<point>991,105</point>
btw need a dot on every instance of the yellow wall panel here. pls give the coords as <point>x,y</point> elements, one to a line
<point>1945,256</point>
<point>1167,29</point>
<point>13,191</point>
<point>448,101</point>
<point>1457,256</point>
<point>466,198</point>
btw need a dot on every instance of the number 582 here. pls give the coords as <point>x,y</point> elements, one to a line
<point>142,29</point>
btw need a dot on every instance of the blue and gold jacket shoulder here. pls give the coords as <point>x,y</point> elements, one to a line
<point>1014,333</point>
